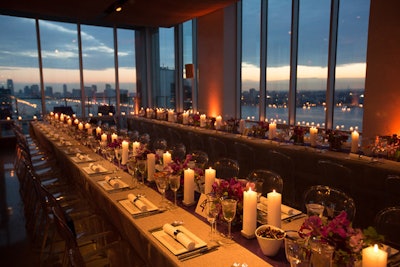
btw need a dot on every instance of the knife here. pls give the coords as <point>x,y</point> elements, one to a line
<point>198,252</point>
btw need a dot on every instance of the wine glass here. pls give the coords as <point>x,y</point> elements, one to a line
<point>141,167</point>
<point>162,182</point>
<point>174,184</point>
<point>131,165</point>
<point>110,154</point>
<point>118,156</point>
<point>229,212</point>
<point>298,252</point>
<point>212,210</point>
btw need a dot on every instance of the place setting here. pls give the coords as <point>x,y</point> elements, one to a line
<point>113,184</point>
<point>94,168</point>
<point>139,206</point>
<point>81,158</point>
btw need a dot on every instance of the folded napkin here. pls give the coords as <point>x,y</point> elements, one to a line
<point>137,202</point>
<point>94,167</point>
<point>179,236</point>
<point>81,156</point>
<point>284,209</point>
<point>112,181</point>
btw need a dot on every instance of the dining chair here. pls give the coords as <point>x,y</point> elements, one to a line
<point>226,168</point>
<point>160,144</point>
<point>195,141</point>
<point>283,165</point>
<point>267,180</point>
<point>245,155</point>
<point>178,151</point>
<point>332,199</point>
<point>217,148</point>
<point>336,175</point>
<point>174,137</point>
<point>392,190</point>
<point>387,223</point>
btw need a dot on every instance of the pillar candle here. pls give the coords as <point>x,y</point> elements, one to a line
<point>250,212</point>
<point>354,141</point>
<point>203,120</point>
<point>56,116</point>
<point>209,180</point>
<point>19,118</point>
<point>272,130</point>
<point>135,147</point>
<point>69,122</point>
<point>87,125</point>
<point>99,114</point>
<point>171,115</point>
<point>98,131</point>
<point>218,122</point>
<point>274,208</point>
<point>90,131</point>
<point>374,257</point>
<point>185,118</point>
<point>151,166</point>
<point>114,137</point>
<point>76,121</point>
<point>80,126</point>
<point>166,158</point>
<point>125,151</point>
<point>242,125</point>
<point>188,190</point>
<point>104,137</point>
<point>62,117</point>
<point>313,136</point>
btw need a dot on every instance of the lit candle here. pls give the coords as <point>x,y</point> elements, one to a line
<point>34,117</point>
<point>203,120</point>
<point>135,147</point>
<point>185,118</point>
<point>218,122</point>
<point>125,150</point>
<point>242,125</point>
<point>188,190</point>
<point>354,141</point>
<point>98,130</point>
<point>151,166</point>
<point>56,116</point>
<point>76,121</point>
<point>313,136</point>
<point>87,125</point>
<point>171,115</point>
<point>90,115</point>
<point>250,212</point>
<point>99,114</point>
<point>69,122</point>
<point>80,126</point>
<point>62,117</point>
<point>52,113</point>
<point>110,113</point>
<point>8,118</point>
<point>374,257</point>
<point>272,130</point>
<point>166,158</point>
<point>274,208</point>
<point>114,137</point>
<point>104,137</point>
<point>209,180</point>
<point>19,118</point>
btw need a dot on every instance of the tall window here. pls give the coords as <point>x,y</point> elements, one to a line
<point>127,69</point>
<point>278,59</point>
<point>19,76</point>
<point>98,69</point>
<point>60,58</point>
<point>188,61</point>
<point>250,94</point>
<point>165,97</point>
<point>350,65</point>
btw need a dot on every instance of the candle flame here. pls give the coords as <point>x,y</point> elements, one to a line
<point>376,248</point>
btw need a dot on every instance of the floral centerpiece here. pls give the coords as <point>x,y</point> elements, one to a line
<point>260,129</point>
<point>387,146</point>
<point>232,188</point>
<point>141,152</point>
<point>117,143</point>
<point>347,241</point>
<point>298,135</point>
<point>177,167</point>
<point>336,138</point>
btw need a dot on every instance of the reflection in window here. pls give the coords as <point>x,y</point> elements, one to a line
<point>312,72</point>
<point>351,64</point>
<point>165,95</point>
<point>98,68</point>
<point>278,59</point>
<point>250,94</point>
<point>60,64</point>
<point>127,69</point>
<point>20,81</point>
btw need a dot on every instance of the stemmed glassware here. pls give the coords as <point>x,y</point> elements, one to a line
<point>297,250</point>
<point>131,165</point>
<point>174,184</point>
<point>213,207</point>
<point>141,167</point>
<point>110,154</point>
<point>162,182</point>
<point>118,155</point>
<point>229,212</point>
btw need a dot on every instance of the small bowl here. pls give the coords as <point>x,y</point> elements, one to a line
<point>269,245</point>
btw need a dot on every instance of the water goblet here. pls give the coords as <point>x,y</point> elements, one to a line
<point>141,167</point>
<point>110,154</point>
<point>212,210</point>
<point>162,182</point>
<point>229,212</point>
<point>297,250</point>
<point>118,156</point>
<point>131,165</point>
<point>174,184</point>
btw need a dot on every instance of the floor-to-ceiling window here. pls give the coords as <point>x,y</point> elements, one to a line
<point>19,71</point>
<point>250,65</point>
<point>188,78</point>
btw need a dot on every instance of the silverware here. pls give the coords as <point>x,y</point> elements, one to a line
<point>147,213</point>
<point>198,252</point>
<point>294,217</point>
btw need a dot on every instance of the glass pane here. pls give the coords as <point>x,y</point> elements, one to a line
<point>20,81</point>
<point>98,69</point>
<point>312,72</point>
<point>127,70</point>
<point>278,59</point>
<point>187,59</point>
<point>351,63</point>
<point>165,95</point>
<point>60,57</point>
<point>250,95</point>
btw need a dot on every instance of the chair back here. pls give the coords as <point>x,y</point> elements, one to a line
<point>217,148</point>
<point>336,175</point>
<point>332,199</point>
<point>392,190</point>
<point>245,155</point>
<point>387,223</point>
<point>178,151</point>
<point>267,180</point>
<point>200,158</point>
<point>226,168</point>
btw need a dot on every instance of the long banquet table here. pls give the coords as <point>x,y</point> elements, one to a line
<point>137,230</point>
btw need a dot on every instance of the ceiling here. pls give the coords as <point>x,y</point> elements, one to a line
<point>135,13</point>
